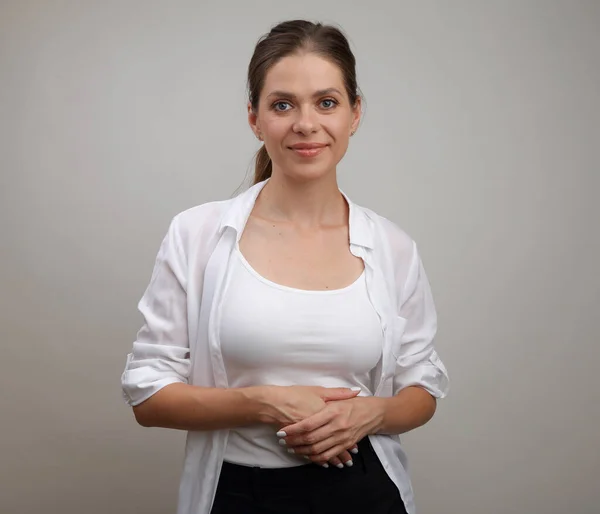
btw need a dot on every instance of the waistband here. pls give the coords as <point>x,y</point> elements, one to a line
<point>236,475</point>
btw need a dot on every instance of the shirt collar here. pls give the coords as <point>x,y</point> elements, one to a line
<point>238,212</point>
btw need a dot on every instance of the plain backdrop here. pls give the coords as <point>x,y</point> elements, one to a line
<point>481,139</point>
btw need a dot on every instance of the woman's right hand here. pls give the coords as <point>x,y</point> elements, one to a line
<point>281,406</point>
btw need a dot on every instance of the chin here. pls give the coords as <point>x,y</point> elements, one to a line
<point>307,172</point>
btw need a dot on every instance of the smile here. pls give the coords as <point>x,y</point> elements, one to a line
<point>308,151</point>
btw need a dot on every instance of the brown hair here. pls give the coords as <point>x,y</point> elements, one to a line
<point>287,38</point>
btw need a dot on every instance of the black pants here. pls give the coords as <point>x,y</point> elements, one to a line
<point>365,488</point>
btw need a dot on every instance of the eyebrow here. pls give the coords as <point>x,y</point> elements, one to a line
<point>321,92</point>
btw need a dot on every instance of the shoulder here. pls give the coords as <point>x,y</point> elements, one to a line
<point>199,216</point>
<point>198,223</point>
<point>400,256</point>
<point>402,246</point>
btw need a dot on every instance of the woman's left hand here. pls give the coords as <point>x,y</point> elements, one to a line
<point>337,427</point>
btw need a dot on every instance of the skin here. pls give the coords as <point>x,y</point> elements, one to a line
<point>297,235</point>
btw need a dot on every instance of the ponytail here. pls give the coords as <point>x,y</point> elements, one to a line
<point>263,167</point>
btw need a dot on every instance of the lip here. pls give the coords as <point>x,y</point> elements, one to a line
<point>307,146</point>
<point>308,149</point>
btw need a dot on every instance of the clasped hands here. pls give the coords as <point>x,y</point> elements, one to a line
<point>323,424</point>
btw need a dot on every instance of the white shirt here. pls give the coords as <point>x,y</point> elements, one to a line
<point>179,340</point>
<point>272,334</point>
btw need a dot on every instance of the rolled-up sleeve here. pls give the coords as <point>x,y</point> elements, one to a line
<point>160,354</point>
<point>417,362</point>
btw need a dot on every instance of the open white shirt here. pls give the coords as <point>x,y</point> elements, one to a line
<point>179,340</point>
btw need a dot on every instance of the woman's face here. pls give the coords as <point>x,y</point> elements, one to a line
<point>304,116</point>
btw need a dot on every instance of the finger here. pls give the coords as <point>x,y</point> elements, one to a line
<point>336,462</point>
<point>345,459</point>
<point>310,438</point>
<point>307,425</point>
<point>338,393</point>
<point>329,454</point>
<point>318,449</point>
<point>325,465</point>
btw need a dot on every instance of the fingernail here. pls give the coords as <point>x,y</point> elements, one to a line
<point>340,465</point>
<point>291,450</point>
<point>356,389</point>
<point>305,457</point>
<point>281,433</point>
<point>354,451</point>
<point>325,465</point>
<point>282,442</point>
<point>349,463</point>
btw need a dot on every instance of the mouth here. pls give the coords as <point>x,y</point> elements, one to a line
<point>308,149</point>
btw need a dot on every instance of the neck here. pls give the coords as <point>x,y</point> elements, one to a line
<point>308,204</point>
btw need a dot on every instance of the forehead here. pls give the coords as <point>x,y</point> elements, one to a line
<point>302,74</point>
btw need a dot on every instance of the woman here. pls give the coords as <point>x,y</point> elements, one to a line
<point>288,330</point>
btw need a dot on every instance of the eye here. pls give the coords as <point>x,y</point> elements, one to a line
<point>328,103</point>
<point>280,106</point>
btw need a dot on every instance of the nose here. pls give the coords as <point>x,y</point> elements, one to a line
<point>306,121</point>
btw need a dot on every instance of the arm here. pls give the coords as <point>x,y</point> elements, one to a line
<point>420,377</point>
<point>155,379</point>
<point>187,407</point>
<point>409,409</point>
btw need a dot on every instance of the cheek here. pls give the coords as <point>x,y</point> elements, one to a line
<point>338,125</point>
<point>275,128</point>
<point>341,133</point>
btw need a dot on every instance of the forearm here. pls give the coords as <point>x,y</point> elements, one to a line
<point>409,409</point>
<point>188,407</point>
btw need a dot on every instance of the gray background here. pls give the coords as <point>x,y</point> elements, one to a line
<point>480,139</point>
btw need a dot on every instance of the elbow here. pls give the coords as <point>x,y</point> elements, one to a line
<point>141,413</point>
<point>154,410</point>
<point>431,407</point>
<point>150,412</point>
<point>427,402</point>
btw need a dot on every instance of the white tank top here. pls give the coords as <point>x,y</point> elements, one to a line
<point>277,335</point>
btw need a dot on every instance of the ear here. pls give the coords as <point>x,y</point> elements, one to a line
<point>253,121</point>
<point>356,114</point>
